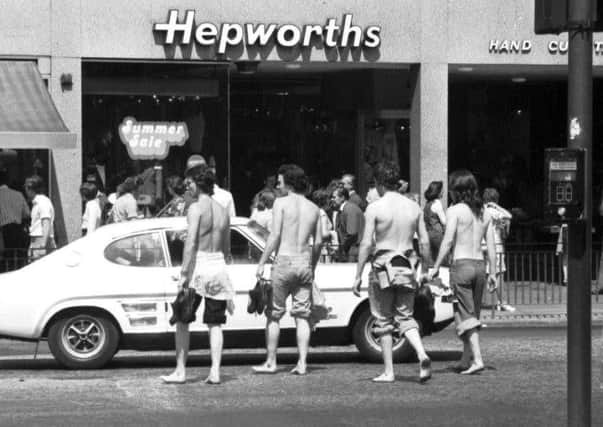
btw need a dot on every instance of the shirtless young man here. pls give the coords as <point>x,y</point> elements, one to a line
<point>466,225</point>
<point>204,268</point>
<point>391,223</point>
<point>295,224</point>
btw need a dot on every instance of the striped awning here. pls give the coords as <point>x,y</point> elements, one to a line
<point>28,117</point>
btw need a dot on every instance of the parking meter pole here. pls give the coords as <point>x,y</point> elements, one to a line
<point>579,233</point>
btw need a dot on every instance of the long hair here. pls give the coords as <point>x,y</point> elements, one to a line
<point>463,189</point>
<point>433,190</point>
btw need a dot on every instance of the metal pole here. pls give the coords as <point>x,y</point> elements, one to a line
<point>579,233</point>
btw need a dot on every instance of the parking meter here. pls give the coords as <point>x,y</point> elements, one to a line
<point>565,183</point>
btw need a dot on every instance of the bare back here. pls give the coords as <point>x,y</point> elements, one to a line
<point>469,232</point>
<point>214,224</point>
<point>298,219</point>
<point>396,219</point>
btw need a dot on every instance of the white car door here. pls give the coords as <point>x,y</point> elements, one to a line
<point>136,274</point>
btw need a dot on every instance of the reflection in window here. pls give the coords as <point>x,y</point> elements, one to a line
<point>175,243</point>
<point>143,250</point>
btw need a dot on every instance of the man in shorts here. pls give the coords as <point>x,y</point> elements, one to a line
<point>391,222</point>
<point>205,270</point>
<point>467,223</point>
<point>296,237</point>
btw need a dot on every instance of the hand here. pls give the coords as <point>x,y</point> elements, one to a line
<point>259,274</point>
<point>182,283</point>
<point>433,274</point>
<point>230,307</point>
<point>356,286</point>
<point>492,283</point>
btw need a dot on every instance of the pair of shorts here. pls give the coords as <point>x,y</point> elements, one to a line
<point>214,312</point>
<point>467,279</point>
<point>392,306</point>
<point>210,277</point>
<point>291,275</point>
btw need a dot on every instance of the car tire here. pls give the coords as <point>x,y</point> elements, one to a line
<point>368,346</point>
<point>83,341</point>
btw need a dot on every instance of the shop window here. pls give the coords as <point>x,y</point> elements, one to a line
<point>142,250</point>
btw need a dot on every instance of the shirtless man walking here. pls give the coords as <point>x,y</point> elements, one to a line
<point>204,268</point>
<point>391,223</point>
<point>295,226</point>
<point>467,223</point>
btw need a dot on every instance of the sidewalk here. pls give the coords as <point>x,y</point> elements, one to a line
<point>536,315</point>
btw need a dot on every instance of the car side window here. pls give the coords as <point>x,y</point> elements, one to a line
<point>141,250</point>
<point>242,251</point>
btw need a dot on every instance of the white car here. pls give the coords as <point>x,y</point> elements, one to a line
<point>112,290</point>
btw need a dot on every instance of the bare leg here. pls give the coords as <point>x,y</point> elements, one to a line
<point>216,340</point>
<point>414,338</point>
<point>303,342</point>
<point>182,346</point>
<point>388,360</point>
<point>273,330</point>
<point>477,364</point>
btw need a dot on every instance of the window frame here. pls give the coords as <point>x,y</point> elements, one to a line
<point>162,239</point>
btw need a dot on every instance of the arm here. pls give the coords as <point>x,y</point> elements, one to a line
<point>316,248</point>
<point>423,243</point>
<point>490,242</point>
<point>45,232</point>
<point>132,210</point>
<point>25,214</point>
<point>447,241</point>
<point>226,242</point>
<point>274,238</point>
<point>365,247</point>
<point>231,207</point>
<point>438,209</point>
<point>192,219</point>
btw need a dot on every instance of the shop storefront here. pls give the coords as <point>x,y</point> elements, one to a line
<point>334,86</point>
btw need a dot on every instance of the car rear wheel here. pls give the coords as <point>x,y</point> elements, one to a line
<point>83,341</point>
<point>367,344</point>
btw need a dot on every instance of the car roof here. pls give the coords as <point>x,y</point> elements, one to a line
<point>148,224</point>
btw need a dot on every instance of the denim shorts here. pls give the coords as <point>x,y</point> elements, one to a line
<point>467,279</point>
<point>291,275</point>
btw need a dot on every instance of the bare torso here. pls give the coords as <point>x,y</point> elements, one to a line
<point>299,221</point>
<point>396,221</point>
<point>470,230</point>
<point>214,223</point>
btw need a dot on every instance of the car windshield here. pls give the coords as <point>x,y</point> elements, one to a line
<point>260,233</point>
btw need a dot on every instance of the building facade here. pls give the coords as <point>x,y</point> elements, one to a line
<point>333,85</point>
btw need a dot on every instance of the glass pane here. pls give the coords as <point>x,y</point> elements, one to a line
<point>143,250</point>
<point>243,252</point>
<point>175,242</point>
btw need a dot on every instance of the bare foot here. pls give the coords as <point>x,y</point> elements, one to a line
<point>424,370</point>
<point>264,369</point>
<point>298,370</point>
<point>174,378</point>
<point>212,380</point>
<point>384,378</point>
<point>473,369</point>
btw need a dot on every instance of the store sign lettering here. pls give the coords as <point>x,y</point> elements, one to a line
<point>151,140</point>
<point>288,35</point>
<point>554,47</point>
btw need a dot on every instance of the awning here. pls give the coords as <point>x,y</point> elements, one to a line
<point>28,117</point>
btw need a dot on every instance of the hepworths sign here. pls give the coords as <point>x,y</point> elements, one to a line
<point>151,140</point>
<point>331,34</point>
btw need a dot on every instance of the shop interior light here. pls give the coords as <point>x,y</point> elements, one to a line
<point>247,67</point>
<point>465,69</point>
<point>293,66</point>
<point>519,80</point>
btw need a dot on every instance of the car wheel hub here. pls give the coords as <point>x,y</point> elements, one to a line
<point>373,339</point>
<point>83,337</point>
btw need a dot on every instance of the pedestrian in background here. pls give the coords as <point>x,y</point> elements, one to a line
<point>349,183</point>
<point>14,214</point>
<point>501,222</point>
<point>263,213</point>
<point>349,226</point>
<point>223,197</point>
<point>91,219</point>
<point>435,218</point>
<point>321,198</point>
<point>175,188</point>
<point>125,207</point>
<point>41,230</point>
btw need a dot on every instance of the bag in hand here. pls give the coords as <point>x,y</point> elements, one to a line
<point>259,297</point>
<point>185,306</point>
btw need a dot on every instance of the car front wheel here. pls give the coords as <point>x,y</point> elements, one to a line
<point>83,341</point>
<point>367,342</point>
